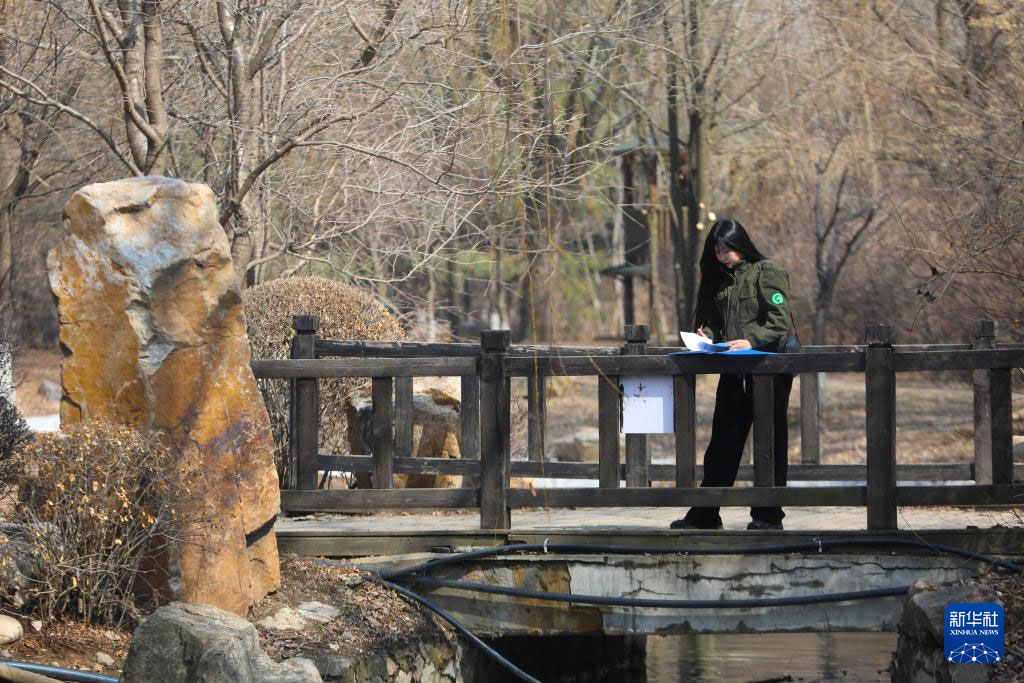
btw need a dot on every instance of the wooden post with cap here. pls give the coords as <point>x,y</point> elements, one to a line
<point>495,430</point>
<point>637,454</point>
<point>304,408</point>
<point>880,404</point>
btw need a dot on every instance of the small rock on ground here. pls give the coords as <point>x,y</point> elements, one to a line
<point>49,390</point>
<point>11,630</point>
<point>318,611</point>
<point>285,619</point>
<point>304,665</point>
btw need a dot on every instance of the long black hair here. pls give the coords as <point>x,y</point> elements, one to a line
<point>731,235</point>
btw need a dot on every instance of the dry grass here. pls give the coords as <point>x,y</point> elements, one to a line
<point>1010,593</point>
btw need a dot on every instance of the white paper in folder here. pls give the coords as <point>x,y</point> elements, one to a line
<point>647,406</point>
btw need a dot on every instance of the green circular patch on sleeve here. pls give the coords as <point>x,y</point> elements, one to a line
<point>777,298</point>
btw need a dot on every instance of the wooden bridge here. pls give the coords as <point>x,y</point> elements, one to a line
<point>485,371</point>
<point>614,540</point>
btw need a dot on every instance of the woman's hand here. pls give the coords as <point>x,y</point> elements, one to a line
<point>700,331</point>
<point>739,345</point>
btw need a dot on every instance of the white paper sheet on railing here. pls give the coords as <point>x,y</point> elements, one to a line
<point>647,406</point>
<point>695,342</point>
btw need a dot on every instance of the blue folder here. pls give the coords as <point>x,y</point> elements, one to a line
<point>746,352</point>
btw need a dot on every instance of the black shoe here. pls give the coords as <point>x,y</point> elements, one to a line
<point>761,525</point>
<point>687,524</point>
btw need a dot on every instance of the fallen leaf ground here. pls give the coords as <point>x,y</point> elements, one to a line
<point>71,645</point>
<point>372,616</point>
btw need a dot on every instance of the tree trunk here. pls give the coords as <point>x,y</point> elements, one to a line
<point>696,206</point>
<point>12,179</point>
<point>688,178</point>
<point>698,154</point>
<point>659,329</point>
<point>244,229</point>
<point>535,286</point>
<point>431,312</point>
<point>455,285</point>
<point>677,202</point>
<point>134,49</point>
<point>6,305</point>
<point>821,312</point>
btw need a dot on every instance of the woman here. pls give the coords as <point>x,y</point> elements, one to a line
<point>743,301</point>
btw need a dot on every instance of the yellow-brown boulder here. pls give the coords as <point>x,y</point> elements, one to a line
<point>154,336</point>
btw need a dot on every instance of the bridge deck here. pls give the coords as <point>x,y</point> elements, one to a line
<point>389,533</point>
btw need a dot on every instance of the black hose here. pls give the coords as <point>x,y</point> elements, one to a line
<point>461,628</point>
<point>659,603</point>
<point>387,577</point>
<point>60,673</point>
<point>817,544</point>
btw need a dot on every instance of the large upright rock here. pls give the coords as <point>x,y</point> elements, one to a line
<point>154,336</point>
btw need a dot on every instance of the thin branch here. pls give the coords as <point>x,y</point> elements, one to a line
<point>44,99</point>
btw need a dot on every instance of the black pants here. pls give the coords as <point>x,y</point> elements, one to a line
<point>734,403</point>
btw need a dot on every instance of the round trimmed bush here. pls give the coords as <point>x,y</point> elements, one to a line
<point>346,313</point>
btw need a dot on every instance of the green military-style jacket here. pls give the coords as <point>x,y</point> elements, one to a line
<point>752,303</point>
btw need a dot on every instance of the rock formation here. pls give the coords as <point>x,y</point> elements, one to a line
<point>154,336</point>
<point>184,643</point>
<point>919,650</point>
<point>436,429</point>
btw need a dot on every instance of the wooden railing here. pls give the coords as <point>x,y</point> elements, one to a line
<point>486,370</point>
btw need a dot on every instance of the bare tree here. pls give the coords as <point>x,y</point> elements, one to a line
<point>131,39</point>
<point>233,50</point>
<point>27,118</point>
<point>690,73</point>
<point>832,157</point>
<point>252,84</point>
<point>845,213</point>
<point>461,156</point>
<point>962,135</point>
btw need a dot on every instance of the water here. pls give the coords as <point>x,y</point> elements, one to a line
<point>693,658</point>
<point>707,658</point>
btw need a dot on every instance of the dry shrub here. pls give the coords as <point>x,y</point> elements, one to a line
<point>101,501</point>
<point>345,313</point>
